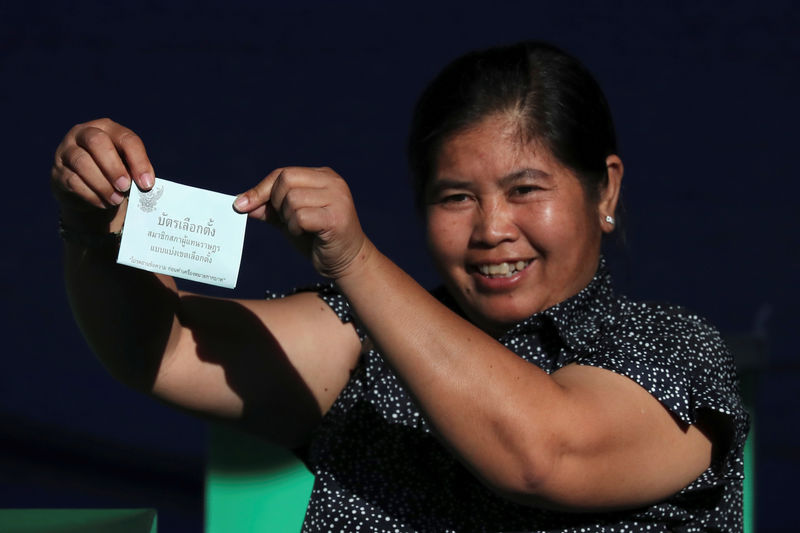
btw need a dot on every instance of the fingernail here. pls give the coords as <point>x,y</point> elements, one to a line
<point>147,180</point>
<point>116,198</point>
<point>240,202</point>
<point>122,184</point>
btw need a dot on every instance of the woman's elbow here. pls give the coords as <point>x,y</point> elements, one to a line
<point>529,479</point>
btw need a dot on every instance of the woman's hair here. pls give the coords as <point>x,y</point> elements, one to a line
<point>553,96</point>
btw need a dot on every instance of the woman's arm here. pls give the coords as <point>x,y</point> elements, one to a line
<point>583,438</point>
<point>273,366</point>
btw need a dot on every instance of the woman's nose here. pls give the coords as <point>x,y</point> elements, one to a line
<point>494,224</point>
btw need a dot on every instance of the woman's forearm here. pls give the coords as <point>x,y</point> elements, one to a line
<point>471,387</point>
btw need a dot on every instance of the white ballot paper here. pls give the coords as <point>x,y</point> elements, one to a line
<point>185,232</point>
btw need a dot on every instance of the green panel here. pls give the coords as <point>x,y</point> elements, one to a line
<point>749,484</point>
<point>78,521</point>
<point>750,352</point>
<point>749,384</point>
<point>253,486</point>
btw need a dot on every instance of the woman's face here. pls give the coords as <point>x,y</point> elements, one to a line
<point>511,230</point>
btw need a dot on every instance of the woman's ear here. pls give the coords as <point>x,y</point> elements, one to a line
<point>610,194</point>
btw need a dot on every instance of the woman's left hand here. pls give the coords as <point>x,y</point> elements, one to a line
<point>314,207</point>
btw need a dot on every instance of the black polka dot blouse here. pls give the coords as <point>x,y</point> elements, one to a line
<point>378,468</point>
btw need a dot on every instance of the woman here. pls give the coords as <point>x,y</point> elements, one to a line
<point>523,396</point>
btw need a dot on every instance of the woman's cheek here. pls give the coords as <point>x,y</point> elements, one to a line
<point>444,235</point>
<point>560,227</point>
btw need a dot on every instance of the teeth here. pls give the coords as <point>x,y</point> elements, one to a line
<point>502,270</point>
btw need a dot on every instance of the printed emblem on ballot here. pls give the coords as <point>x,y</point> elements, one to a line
<point>148,200</point>
<point>185,232</point>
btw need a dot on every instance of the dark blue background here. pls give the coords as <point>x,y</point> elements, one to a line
<point>704,100</point>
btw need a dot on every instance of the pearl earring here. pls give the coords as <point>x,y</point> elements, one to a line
<point>610,219</point>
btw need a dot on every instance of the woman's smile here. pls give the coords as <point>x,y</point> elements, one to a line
<point>505,269</point>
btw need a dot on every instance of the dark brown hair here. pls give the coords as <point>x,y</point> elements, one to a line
<point>558,102</point>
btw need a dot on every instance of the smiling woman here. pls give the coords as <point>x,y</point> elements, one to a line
<point>494,205</point>
<point>524,395</point>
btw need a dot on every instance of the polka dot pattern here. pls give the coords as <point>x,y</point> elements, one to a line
<point>378,468</point>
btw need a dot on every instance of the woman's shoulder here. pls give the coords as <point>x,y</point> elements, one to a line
<point>664,330</point>
<point>660,320</point>
<point>665,334</point>
<point>598,320</point>
<point>331,295</point>
<point>675,353</point>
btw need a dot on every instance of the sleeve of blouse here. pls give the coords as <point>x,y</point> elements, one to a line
<point>682,361</point>
<point>335,300</point>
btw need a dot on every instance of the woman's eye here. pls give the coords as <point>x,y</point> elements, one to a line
<point>524,190</point>
<point>454,199</point>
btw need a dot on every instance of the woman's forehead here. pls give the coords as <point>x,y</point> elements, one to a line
<point>495,146</point>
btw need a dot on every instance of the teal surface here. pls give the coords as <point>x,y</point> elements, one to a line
<point>78,521</point>
<point>749,383</point>
<point>253,486</point>
<point>750,352</point>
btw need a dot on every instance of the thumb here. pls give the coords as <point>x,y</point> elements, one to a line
<point>255,201</point>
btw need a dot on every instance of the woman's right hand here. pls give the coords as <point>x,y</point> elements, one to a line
<point>94,167</point>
